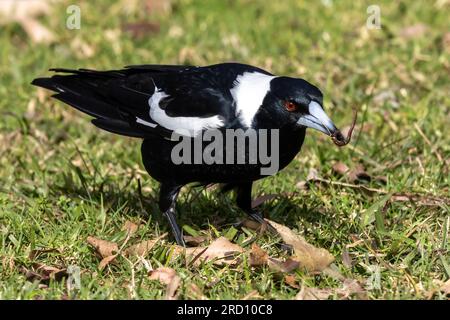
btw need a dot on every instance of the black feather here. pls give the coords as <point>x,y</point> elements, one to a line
<point>119,127</point>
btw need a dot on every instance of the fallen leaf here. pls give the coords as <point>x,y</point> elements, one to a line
<point>169,277</point>
<point>420,199</point>
<point>106,261</point>
<point>194,241</point>
<point>130,227</point>
<point>257,256</point>
<point>44,273</point>
<point>283,266</point>
<point>307,293</point>
<point>220,251</point>
<point>309,256</point>
<point>340,168</point>
<point>103,247</point>
<point>445,288</point>
<point>140,249</point>
<point>358,174</point>
<point>290,280</point>
<point>346,259</point>
<point>252,295</point>
<point>350,287</point>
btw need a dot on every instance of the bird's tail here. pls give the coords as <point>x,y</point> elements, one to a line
<point>87,91</point>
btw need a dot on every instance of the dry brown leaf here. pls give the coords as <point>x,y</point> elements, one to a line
<point>307,293</point>
<point>358,174</point>
<point>169,277</point>
<point>140,249</point>
<point>44,273</point>
<point>340,168</point>
<point>346,259</point>
<point>420,199</point>
<point>130,227</point>
<point>106,261</point>
<point>349,287</point>
<point>290,280</point>
<point>257,257</point>
<point>103,247</point>
<point>309,256</point>
<point>220,251</point>
<point>252,295</point>
<point>282,266</point>
<point>194,241</point>
<point>445,288</point>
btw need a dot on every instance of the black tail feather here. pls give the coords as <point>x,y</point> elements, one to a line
<point>92,107</point>
<point>119,127</point>
<point>106,96</point>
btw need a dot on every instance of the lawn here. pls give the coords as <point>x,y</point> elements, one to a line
<point>386,221</point>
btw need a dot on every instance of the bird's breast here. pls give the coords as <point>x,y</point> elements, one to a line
<point>222,156</point>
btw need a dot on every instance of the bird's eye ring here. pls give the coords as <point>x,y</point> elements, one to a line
<point>290,106</point>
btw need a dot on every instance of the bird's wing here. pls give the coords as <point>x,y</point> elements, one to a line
<point>143,100</point>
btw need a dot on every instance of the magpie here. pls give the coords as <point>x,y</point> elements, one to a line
<point>157,102</point>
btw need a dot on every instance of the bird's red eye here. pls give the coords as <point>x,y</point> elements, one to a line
<point>290,106</point>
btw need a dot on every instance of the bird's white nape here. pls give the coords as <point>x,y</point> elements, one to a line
<point>248,93</point>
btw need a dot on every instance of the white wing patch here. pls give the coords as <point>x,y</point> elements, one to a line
<point>181,125</point>
<point>248,92</point>
<point>145,123</point>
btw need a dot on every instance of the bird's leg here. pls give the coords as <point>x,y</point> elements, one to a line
<point>168,194</point>
<point>244,201</point>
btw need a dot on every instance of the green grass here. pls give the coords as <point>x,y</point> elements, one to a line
<point>61,179</point>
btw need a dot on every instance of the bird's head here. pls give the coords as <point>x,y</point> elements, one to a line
<point>299,103</point>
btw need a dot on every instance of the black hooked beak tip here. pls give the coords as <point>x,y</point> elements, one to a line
<point>318,119</point>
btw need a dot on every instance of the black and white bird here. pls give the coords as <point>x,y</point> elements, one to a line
<point>152,102</point>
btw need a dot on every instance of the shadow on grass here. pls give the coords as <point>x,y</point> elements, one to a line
<point>196,207</point>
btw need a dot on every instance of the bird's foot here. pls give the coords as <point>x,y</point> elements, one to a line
<point>258,217</point>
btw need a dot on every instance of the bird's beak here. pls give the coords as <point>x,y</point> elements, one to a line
<point>317,119</point>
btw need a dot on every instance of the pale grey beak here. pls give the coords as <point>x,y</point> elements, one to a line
<point>317,119</point>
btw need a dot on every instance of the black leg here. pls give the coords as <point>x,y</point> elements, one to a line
<point>168,194</point>
<point>244,201</point>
